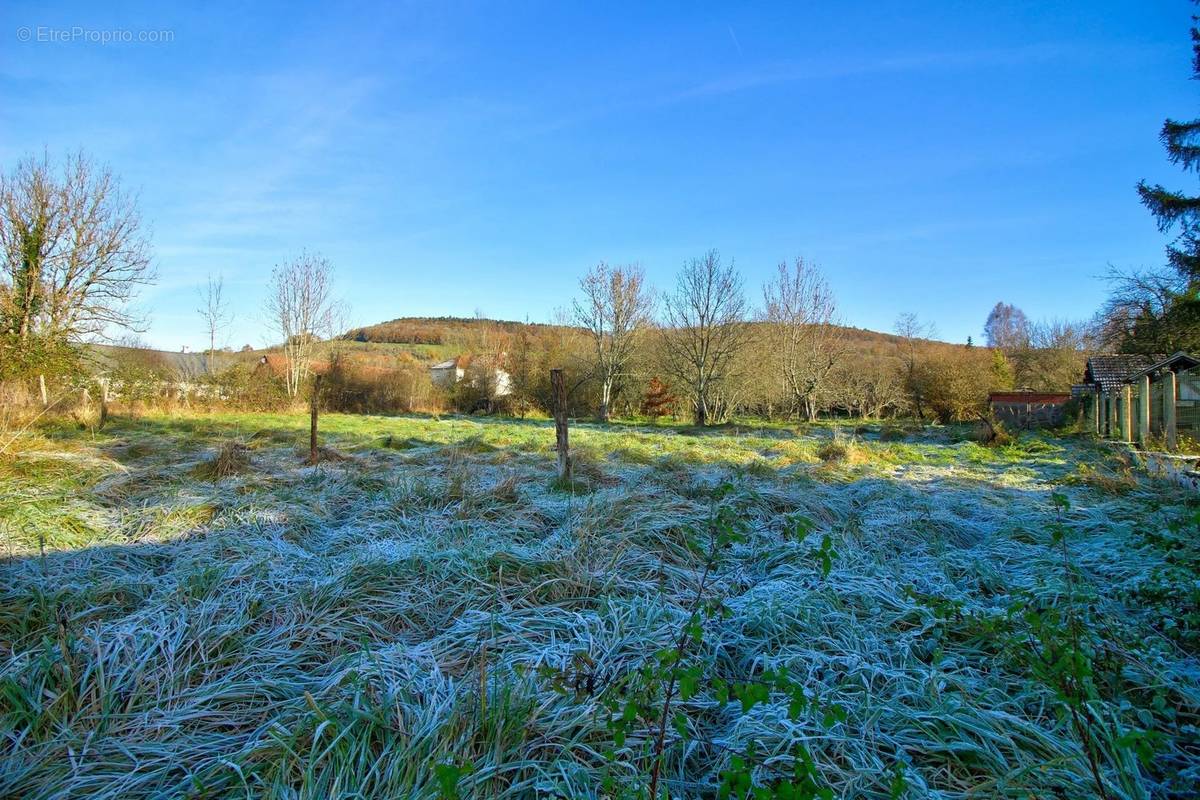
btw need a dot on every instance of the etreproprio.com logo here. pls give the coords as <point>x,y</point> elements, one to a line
<point>79,34</point>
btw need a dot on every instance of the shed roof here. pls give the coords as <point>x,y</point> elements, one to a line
<point>1052,398</point>
<point>1110,372</point>
<point>1176,362</point>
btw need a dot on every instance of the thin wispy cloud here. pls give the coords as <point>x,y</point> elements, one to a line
<point>817,70</point>
<point>736,43</point>
<point>824,69</point>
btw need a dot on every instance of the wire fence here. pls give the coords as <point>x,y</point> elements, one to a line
<point>1110,408</point>
<point>1187,407</point>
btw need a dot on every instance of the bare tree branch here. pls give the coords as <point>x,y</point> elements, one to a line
<point>74,250</point>
<point>301,309</point>
<point>214,310</point>
<point>616,309</point>
<point>705,326</point>
<point>912,331</point>
<point>801,316</point>
<point>1138,314</point>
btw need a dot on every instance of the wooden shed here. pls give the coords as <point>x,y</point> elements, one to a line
<point>1136,397</point>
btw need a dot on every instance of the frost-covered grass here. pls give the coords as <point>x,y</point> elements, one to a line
<point>170,628</point>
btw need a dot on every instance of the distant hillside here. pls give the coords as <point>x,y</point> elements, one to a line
<point>436,330</point>
<point>425,339</point>
<point>106,357</point>
<point>446,335</point>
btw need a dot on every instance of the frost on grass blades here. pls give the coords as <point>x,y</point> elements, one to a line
<point>186,610</point>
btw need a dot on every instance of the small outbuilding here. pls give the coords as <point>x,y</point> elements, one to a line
<point>1029,409</point>
<point>449,372</point>
<point>1132,397</point>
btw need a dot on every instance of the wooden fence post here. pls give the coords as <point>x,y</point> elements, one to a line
<point>1144,410</point>
<point>1169,408</point>
<point>1127,413</point>
<point>312,431</point>
<point>560,424</point>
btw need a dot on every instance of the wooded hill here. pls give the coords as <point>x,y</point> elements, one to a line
<point>462,333</point>
<point>441,330</point>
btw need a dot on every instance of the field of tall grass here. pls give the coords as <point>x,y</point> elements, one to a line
<point>187,610</point>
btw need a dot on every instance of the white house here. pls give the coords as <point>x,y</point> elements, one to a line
<point>449,372</point>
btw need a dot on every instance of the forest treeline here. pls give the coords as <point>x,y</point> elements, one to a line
<point>701,352</point>
<point>840,370</point>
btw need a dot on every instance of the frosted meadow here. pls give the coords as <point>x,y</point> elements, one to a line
<point>187,610</point>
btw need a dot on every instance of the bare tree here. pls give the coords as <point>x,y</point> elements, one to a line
<point>705,327</point>
<point>302,310</point>
<point>1148,312</point>
<point>214,310</point>
<point>616,310</point>
<point>1054,356</point>
<point>74,250</point>
<point>486,338</point>
<point>867,387</point>
<point>1006,327</point>
<point>912,331</point>
<point>801,314</point>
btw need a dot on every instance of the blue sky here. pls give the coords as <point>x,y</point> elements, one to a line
<point>931,157</point>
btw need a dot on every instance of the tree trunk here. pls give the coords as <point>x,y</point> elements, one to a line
<point>560,425</point>
<point>42,389</point>
<point>605,398</point>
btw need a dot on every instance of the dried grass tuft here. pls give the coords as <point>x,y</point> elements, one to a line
<point>842,450</point>
<point>326,455</point>
<point>1118,480</point>
<point>231,458</point>
<point>507,490</point>
<point>991,433</point>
